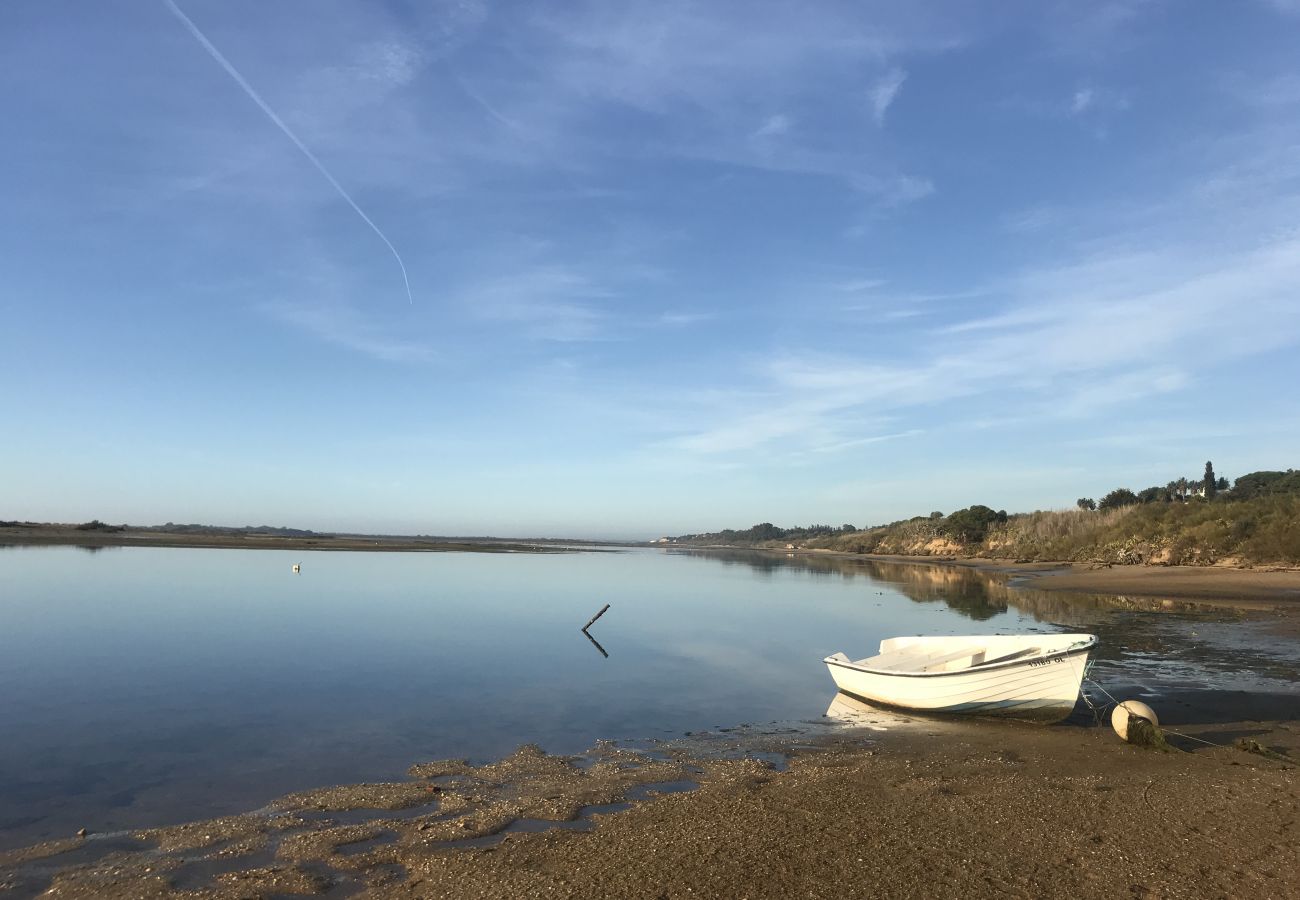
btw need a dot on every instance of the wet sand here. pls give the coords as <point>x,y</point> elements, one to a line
<point>978,809</point>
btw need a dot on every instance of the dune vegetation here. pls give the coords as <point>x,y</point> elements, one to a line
<point>1256,521</point>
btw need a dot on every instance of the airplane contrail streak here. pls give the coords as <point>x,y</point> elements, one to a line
<point>288,132</point>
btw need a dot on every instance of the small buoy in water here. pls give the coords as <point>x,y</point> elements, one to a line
<point>296,568</point>
<point>1131,709</point>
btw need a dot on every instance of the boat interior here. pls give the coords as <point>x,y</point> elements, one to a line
<point>948,659</point>
<point>934,654</point>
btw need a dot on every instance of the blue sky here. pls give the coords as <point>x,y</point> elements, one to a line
<point>673,266</point>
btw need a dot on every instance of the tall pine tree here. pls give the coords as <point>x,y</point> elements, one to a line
<point>1211,483</point>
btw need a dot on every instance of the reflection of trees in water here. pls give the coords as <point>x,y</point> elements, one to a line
<point>975,593</point>
<point>770,561</point>
<point>966,591</point>
<point>1139,637</point>
<point>85,548</point>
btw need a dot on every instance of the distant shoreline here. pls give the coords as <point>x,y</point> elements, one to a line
<point>70,535</point>
<point>1203,583</point>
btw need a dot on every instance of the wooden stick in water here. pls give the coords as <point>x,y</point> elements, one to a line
<point>595,617</point>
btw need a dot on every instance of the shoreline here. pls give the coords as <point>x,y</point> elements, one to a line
<point>1221,585</point>
<point>95,539</point>
<point>916,809</point>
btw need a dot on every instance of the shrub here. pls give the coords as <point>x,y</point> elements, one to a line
<point>1117,498</point>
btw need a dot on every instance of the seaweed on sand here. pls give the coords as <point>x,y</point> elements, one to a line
<point>1143,733</point>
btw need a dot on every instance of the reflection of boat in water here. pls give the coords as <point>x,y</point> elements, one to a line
<point>850,710</point>
<point>1029,676</point>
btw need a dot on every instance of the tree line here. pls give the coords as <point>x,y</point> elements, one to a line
<point>1208,487</point>
<point>972,524</point>
<point>765,531</point>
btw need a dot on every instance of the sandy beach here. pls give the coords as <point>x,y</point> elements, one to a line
<point>925,809</point>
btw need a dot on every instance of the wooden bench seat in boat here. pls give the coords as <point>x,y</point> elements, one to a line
<point>964,658</point>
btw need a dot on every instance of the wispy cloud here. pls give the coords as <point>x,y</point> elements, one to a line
<point>681,319</point>
<point>1028,221</point>
<point>862,442</point>
<point>552,303</point>
<point>342,325</point>
<point>1094,101</point>
<point>778,123</point>
<point>858,285</point>
<point>1286,7</point>
<point>1071,342</point>
<point>884,92</point>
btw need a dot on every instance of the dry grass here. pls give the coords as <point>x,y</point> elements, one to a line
<point>1262,530</point>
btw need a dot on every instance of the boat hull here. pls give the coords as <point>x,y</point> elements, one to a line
<point>1043,688</point>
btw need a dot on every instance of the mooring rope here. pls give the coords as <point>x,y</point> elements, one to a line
<point>1113,702</point>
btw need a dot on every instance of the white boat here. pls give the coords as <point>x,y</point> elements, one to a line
<point>1024,675</point>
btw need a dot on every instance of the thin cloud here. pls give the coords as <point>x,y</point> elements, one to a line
<point>857,285</point>
<point>773,125</point>
<point>339,324</point>
<point>862,442</point>
<point>1072,342</point>
<point>884,92</point>
<point>551,303</point>
<point>1286,7</point>
<point>680,319</point>
<point>1029,221</point>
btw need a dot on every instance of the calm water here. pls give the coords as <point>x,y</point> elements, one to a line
<point>145,686</point>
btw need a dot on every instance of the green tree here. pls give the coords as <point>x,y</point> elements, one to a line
<point>1253,484</point>
<point>971,525</point>
<point>1117,498</point>
<point>1211,483</point>
<point>1086,503</point>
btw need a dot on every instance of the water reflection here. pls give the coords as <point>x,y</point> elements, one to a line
<point>595,643</point>
<point>970,592</point>
<point>1207,663</point>
<point>846,709</point>
<point>38,548</point>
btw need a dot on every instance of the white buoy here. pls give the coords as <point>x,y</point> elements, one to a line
<point>1127,710</point>
<point>296,568</point>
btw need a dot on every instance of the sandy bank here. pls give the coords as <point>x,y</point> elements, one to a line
<point>1001,813</point>
<point>977,809</point>
<point>1176,582</point>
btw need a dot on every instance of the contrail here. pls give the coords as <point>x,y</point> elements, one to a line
<point>271,114</point>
